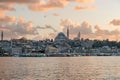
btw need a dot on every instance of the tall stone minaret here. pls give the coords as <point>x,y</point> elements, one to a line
<point>79,35</point>
<point>68,33</point>
<point>2,36</point>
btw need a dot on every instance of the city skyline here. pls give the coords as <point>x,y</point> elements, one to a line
<point>40,19</point>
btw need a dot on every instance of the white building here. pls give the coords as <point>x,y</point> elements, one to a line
<point>17,50</point>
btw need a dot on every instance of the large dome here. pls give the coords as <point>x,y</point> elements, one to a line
<point>61,38</point>
<point>61,34</point>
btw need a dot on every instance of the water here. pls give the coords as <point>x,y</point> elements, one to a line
<point>60,68</point>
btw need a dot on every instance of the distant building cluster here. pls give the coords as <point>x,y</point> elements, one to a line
<point>60,46</point>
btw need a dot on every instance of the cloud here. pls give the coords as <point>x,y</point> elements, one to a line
<point>6,7</point>
<point>84,8</point>
<point>84,27</point>
<point>80,8</point>
<point>24,28</point>
<point>105,34</point>
<point>115,22</point>
<point>47,26</point>
<point>19,1</point>
<point>17,29</point>
<point>21,20</point>
<point>82,1</point>
<point>56,14</point>
<point>8,19</point>
<point>48,5</point>
<point>36,1</point>
<point>55,4</point>
<point>50,27</point>
<point>48,36</point>
<point>86,30</point>
<point>2,14</point>
<point>86,1</point>
<point>42,5</point>
<point>3,28</point>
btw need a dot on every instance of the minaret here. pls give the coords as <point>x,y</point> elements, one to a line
<point>11,42</point>
<point>79,35</point>
<point>2,36</point>
<point>68,33</point>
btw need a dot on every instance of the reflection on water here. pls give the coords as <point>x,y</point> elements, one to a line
<point>60,68</point>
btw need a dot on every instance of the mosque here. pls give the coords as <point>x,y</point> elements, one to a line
<point>62,41</point>
<point>61,38</point>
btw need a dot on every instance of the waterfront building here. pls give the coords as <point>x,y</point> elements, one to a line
<point>87,43</point>
<point>51,49</point>
<point>17,51</point>
<point>27,49</point>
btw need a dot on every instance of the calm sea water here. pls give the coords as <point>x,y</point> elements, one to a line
<point>60,68</point>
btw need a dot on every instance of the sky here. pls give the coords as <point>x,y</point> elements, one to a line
<point>42,19</point>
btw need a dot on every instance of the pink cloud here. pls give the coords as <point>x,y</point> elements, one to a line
<point>84,8</point>
<point>6,7</point>
<point>49,5</point>
<point>87,32</point>
<point>43,5</point>
<point>82,1</point>
<point>115,22</point>
<point>8,19</point>
<point>56,14</point>
<point>19,1</point>
<point>47,26</point>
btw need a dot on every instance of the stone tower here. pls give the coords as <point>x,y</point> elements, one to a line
<point>68,33</point>
<point>79,35</point>
<point>2,36</point>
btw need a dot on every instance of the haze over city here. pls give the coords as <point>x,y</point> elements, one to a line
<point>41,19</point>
